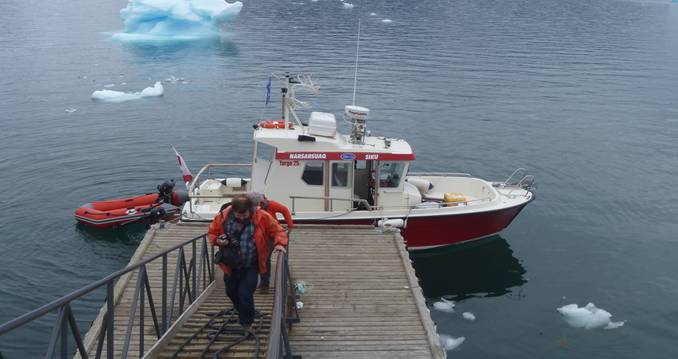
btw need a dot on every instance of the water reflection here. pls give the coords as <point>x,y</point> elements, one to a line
<point>483,269</point>
<point>219,45</point>
<point>129,234</point>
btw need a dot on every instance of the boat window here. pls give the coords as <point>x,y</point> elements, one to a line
<point>265,152</point>
<point>390,174</point>
<point>313,173</point>
<point>340,174</point>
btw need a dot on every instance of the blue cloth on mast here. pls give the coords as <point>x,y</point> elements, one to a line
<point>268,91</point>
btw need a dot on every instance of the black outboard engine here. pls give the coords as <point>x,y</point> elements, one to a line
<point>165,190</point>
<point>167,194</point>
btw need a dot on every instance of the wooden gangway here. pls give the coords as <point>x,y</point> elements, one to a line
<point>361,299</point>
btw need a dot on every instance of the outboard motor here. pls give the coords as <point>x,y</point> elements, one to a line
<point>167,194</point>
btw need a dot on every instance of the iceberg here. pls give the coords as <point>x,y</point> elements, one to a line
<point>468,316</point>
<point>387,21</point>
<point>588,317</point>
<point>347,5</point>
<point>175,20</point>
<point>119,96</point>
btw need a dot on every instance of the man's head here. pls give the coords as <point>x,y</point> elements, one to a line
<point>241,207</point>
<point>258,199</point>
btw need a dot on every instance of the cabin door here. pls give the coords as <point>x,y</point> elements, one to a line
<point>364,182</point>
<point>341,185</point>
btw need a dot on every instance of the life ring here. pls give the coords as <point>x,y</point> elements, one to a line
<point>275,124</point>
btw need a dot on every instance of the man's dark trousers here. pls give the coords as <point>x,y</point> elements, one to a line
<point>240,287</point>
<point>266,277</point>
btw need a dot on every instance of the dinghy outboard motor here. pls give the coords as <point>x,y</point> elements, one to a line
<point>167,194</point>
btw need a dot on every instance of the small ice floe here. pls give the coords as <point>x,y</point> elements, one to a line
<point>386,21</point>
<point>588,317</point>
<point>444,305</point>
<point>109,85</point>
<point>347,5</point>
<point>123,83</point>
<point>119,96</point>
<point>450,343</point>
<point>71,110</point>
<point>468,316</point>
<point>373,14</point>
<point>314,0</point>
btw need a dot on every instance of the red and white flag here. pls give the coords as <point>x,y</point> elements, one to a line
<point>188,177</point>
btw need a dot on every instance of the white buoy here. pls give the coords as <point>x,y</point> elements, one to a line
<point>391,223</point>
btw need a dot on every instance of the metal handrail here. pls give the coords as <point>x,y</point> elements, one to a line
<point>187,280</point>
<point>208,167</point>
<point>284,297</point>
<point>359,200</point>
<point>456,174</point>
<point>515,173</point>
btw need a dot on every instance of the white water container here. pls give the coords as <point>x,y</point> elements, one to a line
<point>391,223</point>
<point>322,124</point>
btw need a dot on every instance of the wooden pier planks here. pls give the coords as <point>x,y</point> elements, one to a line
<point>363,298</point>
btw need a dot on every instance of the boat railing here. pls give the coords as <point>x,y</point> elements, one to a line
<point>190,281</point>
<point>446,174</point>
<point>208,168</point>
<point>361,202</point>
<point>519,179</point>
<point>284,304</point>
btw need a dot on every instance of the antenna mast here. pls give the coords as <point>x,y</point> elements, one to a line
<point>355,76</point>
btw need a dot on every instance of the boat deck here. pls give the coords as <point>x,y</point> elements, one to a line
<point>361,300</point>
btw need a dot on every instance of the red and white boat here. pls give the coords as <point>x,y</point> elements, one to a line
<point>326,177</point>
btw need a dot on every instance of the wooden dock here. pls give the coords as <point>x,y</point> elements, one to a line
<point>361,300</point>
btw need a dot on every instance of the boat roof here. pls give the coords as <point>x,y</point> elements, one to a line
<point>289,147</point>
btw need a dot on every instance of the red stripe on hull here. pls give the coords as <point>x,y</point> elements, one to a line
<point>433,231</point>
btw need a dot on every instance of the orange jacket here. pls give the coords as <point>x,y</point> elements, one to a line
<point>265,227</point>
<point>277,207</point>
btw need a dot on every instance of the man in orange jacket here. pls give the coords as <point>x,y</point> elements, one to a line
<point>251,229</point>
<point>273,208</point>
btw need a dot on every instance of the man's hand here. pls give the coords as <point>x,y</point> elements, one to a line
<point>222,241</point>
<point>280,248</point>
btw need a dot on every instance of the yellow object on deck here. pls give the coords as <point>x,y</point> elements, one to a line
<point>453,199</point>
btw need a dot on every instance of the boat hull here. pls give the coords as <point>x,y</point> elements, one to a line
<point>117,212</point>
<point>424,232</point>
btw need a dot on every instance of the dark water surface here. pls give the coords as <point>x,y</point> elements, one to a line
<point>583,93</point>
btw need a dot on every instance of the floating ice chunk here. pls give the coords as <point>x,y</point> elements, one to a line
<point>119,96</point>
<point>588,317</point>
<point>468,316</point>
<point>123,83</point>
<point>347,5</point>
<point>444,305</point>
<point>175,20</point>
<point>314,0</point>
<point>109,85</point>
<point>450,343</point>
<point>373,14</point>
<point>387,21</point>
<point>71,109</point>
<point>173,79</point>
<point>155,91</point>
